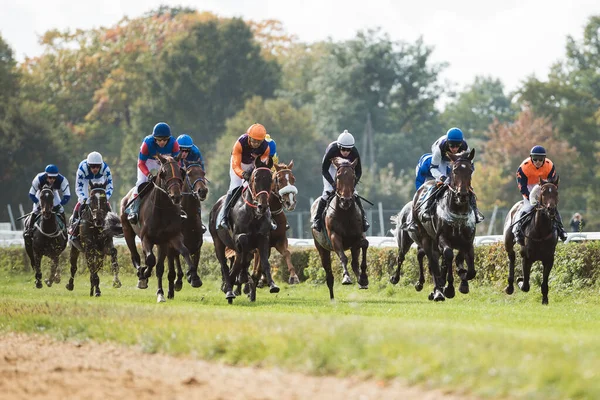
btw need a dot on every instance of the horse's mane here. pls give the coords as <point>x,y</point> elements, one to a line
<point>342,162</point>
<point>282,165</point>
<point>463,155</point>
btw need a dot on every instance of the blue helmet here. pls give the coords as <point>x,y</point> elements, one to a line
<point>454,135</point>
<point>537,151</point>
<point>51,170</point>
<point>161,130</point>
<point>185,141</point>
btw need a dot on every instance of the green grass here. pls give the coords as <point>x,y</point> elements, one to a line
<point>485,343</point>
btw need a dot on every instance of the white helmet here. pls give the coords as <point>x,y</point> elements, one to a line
<point>94,158</point>
<point>345,139</point>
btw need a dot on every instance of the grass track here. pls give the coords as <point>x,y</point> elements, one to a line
<point>485,343</point>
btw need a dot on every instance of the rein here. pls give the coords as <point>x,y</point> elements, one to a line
<point>253,195</point>
<point>191,184</point>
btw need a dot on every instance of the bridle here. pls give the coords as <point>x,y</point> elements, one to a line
<point>541,206</point>
<point>191,184</point>
<point>173,180</point>
<point>253,194</point>
<point>338,175</point>
<point>287,189</point>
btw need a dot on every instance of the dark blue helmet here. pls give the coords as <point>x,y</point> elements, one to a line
<point>51,170</point>
<point>537,151</point>
<point>161,130</point>
<point>454,135</point>
<point>185,141</point>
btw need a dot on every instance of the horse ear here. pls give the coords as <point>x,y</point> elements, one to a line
<point>277,167</point>
<point>291,164</point>
<point>472,154</point>
<point>161,158</point>
<point>541,181</point>
<point>336,162</point>
<point>353,163</point>
<point>451,156</point>
<point>556,179</point>
<point>270,162</point>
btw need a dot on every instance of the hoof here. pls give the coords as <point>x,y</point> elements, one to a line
<point>430,297</point>
<point>70,286</point>
<point>510,289</point>
<point>294,280</point>
<point>394,280</point>
<point>230,301</point>
<point>117,284</point>
<point>196,282</point>
<point>230,295</point>
<point>363,286</point>
<point>97,294</point>
<point>274,289</point>
<point>48,282</point>
<point>419,286</point>
<point>142,284</point>
<point>160,298</point>
<point>471,275</point>
<point>170,294</point>
<point>57,279</point>
<point>238,292</point>
<point>438,296</point>
<point>38,284</point>
<point>247,288</point>
<point>178,286</point>
<point>259,285</point>
<point>346,280</point>
<point>449,292</point>
<point>463,287</point>
<point>545,301</point>
<point>522,285</point>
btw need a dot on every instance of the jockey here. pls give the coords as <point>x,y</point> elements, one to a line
<point>189,151</point>
<point>247,147</point>
<point>454,143</point>
<point>343,147</point>
<point>160,142</point>
<point>62,194</point>
<point>272,149</point>
<point>530,171</point>
<point>91,170</point>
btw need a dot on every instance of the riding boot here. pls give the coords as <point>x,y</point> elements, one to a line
<point>560,229</point>
<point>223,217</point>
<point>478,215</point>
<point>203,228</point>
<point>134,209</point>
<point>74,231</point>
<point>426,213</point>
<point>517,232</point>
<point>365,223</point>
<point>317,225</point>
<point>28,229</point>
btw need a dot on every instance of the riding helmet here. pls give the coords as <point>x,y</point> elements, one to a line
<point>345,139</point>
<point>537,151</point>
<point>185,141</point>
<point>454,135</point>
<point>161,129</point>
<point>51,170</point>
<point>257,132</point>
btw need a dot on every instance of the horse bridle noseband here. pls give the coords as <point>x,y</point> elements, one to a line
<point>172,178</point>
<point>353,178</point>
<point>250,186</point>
<point>191,184</point>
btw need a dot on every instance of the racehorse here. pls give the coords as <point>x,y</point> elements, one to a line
<point>249,229</point>
<point>540,237</point>
<point>49,238</point>
<point>283,198</point>
<point>97,227</point>
<point>194,193</point>
<point>451,227</point>
<point>343,228</point>
<point>159,223</point>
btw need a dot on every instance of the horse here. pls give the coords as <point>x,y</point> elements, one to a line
<point>49,238</point>
<point>250,227</point>
<point>159,224</point>
<point>540,237</point>
<point>343,228</point>
<point>283,198</point>
<point>451,227</point>
<point>195,192</point>
<point>97,227</point>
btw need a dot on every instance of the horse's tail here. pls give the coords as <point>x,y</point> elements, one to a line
<point>112,225</point>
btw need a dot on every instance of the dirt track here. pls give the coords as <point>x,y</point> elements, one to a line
<point>36,367</point>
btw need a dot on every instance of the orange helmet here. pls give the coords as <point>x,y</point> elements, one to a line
<point>257,132</point>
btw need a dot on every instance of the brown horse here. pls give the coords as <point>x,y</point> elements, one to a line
<point>343,228</point>
<point>540,238</point>
<point>451,227</point>
<point>195,192</point>
<point>96,229</point>
<point>283,198</point>
<point>250,227</point>
<point>159,224</point>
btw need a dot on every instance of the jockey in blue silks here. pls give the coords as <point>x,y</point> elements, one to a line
<point>62,194</point>
<point>189,151</point>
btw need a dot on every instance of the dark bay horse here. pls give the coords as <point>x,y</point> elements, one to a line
<point>250,227</point>
<point>451,227</point>
<point>540,238</point>
<point>159,224</point>
<point>49,238</point>
<point>283,198</point>
<point>97,228</point>
<point>195,192</point>
<point>343,228</point>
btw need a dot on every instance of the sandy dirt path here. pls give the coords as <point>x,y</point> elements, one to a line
<point>38,367</point>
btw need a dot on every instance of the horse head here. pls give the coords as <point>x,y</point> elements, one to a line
<point>98,203</point>
<point>169,178</point>
<point>195,178</point>
<point>345,179</point>
<point>46,201</point>
<point>460,177</point>
<point>260,186</point>
<point>548,200</point>
<point>283,185</point>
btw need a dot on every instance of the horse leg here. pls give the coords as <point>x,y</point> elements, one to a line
<point>264,251</point>
<point>509,246</point>
<point>326,262</point>
<point>73,256</point>
<point>447,273</point>
<point>255,269</point>
<point>548,264</point>
<point>524,282</point>
<point>53,271</point>
<point>114,263</point>
<point>282,247</point>
<point>160,270</point>
<point>233,273</point>
<point>433,257</point>
<point>404,244</point>
<point>363,281</point>
<point>179,280</point>
<point>421,281</point>
<point>461,272</point>
<point>38,270</point>
<point>171,274</point>
<point>135,256</point>
<point>192,271</point>
<point>337,245</point>
<point>95,265</point>
<point>226,286</point>
<point>150,259</point>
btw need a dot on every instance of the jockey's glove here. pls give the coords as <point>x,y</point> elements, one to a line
<point>246,175</point>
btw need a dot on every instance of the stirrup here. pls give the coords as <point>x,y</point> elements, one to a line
<point>316,225</point>
<point>183,214</point>
<point>273,226</point>
<point>365,225</point>
<point>132,218</point>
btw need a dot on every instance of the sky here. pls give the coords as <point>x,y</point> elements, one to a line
<point>506,39</point>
